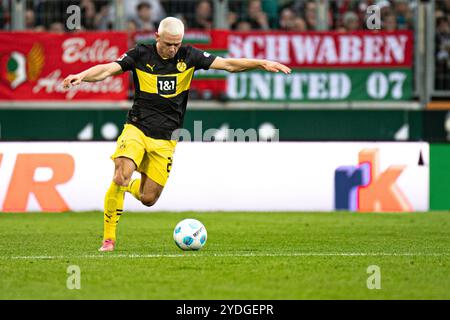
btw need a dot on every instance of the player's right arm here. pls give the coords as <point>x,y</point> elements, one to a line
<point>97,73</point>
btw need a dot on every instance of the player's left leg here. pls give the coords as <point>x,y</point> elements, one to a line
<point>145,190</point>
<point>150,191</point>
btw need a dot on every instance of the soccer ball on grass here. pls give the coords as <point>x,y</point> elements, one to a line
<point>190,234</point>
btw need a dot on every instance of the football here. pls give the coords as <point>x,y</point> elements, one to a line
<point>190,234</point>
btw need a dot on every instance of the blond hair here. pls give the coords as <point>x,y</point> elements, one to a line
<point>172,26</point>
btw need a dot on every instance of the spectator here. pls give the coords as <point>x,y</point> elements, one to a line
<point>311,15</point>
<point>299,25</point>
<point>57,27</point>
<point>157,14</point>
<point>442,54</point>
<point>45,12</point>
<point>88,15</point>
<point>238,9</point>
<point>232,18</point>
<point>30,20</point>
<point>131,26</point>
<point>202,18</point>
<point>102,19</point>
<point>39,29</point>
<point>48,12</point>
<point>242,25</point>
<point>309,11</point>
<point>144,20</point>
<point>271,10</point>
<point>337,9</point>
<point>404,15</point>
<point>389,22</point>
<point>287,17</point>
<point>256,16</point>
<point>350,22</point>
<point>385,8</point>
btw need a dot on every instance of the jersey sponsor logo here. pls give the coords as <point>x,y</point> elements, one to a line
<point>167,85</point>
<point>181,66</point>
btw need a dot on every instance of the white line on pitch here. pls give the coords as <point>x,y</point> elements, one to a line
<point>257,254</point>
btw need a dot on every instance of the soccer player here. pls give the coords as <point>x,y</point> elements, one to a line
<point>162,75</point>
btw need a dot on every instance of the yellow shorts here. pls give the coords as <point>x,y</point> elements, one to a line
<point>153,157</point>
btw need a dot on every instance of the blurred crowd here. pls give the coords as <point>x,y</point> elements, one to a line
<point>144,15</point>
<point>442,50</point>
<point>302,15</point>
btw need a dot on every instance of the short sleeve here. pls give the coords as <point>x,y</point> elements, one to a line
<point>128,60</point>
<point>201,59</point>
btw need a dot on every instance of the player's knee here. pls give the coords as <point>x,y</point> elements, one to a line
<point>121,178</point>
<point>148,199</point>
<point>123,170</point>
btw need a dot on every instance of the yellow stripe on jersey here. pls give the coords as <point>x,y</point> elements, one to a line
<point>148,82</point>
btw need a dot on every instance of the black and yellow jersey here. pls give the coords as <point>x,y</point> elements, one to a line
<point>161,87</point>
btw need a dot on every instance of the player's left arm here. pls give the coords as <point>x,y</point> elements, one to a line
<point>239,65</point>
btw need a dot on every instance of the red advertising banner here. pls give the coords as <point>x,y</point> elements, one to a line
<point>210,84</point>
<point>326,49</point>
<point>33,65</point>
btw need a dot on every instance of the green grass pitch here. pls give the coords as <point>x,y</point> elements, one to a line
<point>247,256</point>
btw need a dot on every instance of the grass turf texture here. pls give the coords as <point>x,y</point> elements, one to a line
<point>247,256</point>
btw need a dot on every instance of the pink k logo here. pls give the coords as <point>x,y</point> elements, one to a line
<point>381,193</point>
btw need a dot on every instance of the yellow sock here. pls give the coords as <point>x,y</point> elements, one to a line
<point>133,188</point>
<point>113,210</point>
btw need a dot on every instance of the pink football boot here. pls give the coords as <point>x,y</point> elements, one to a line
<point>108,245</point>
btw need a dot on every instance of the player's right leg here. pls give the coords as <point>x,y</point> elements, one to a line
<point>127,158</point>
<point>123,169</point>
